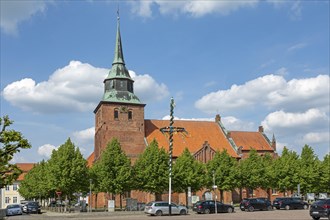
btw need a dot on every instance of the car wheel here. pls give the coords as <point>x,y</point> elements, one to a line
<point>183,212</point>
<point>287,207</point>
<point>207,211</point>
<point>159,213</point>
<point>277,208</point>
<point>305,207</point>
<point>230,210</point>
<point>269,208</point>
<point>316,218</point>
<point>251,209</point>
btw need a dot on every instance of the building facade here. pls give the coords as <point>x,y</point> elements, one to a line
<point>9,194</point>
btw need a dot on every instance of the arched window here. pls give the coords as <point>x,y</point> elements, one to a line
<point>130,115</point>
<point>116,114</point>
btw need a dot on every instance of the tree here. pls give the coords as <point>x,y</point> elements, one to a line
<point>114,171</point>
<point>251,170</point>
<point>11,142</point>
<point>222,166</point>
<point>187,172</point>
<point>286,171</point>
<point>324,179</point>
<point>68,172</point>
<point>34,185</point>
<point>151,170</point>
<point>308,170</point>
<point>268,174</point>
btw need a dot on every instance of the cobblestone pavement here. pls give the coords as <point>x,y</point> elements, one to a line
<point>238,215</point>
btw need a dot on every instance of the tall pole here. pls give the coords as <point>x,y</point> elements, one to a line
<point>90,195</point>
<point>170,160</point>
<point>215,196</point>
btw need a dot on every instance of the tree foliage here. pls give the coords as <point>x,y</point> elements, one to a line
<point>68,170</point>
<point>286,170</point>
<point>11,142</point>
<point>151,170</point>
<point>324,179</point>
<point>309,168</point>
<point>113,170</point>
<point>188,172</point>
<point>222,166</point>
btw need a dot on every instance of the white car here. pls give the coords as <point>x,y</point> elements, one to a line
<point>162,208</point>
<point>14,209</point>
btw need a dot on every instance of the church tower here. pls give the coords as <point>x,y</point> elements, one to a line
<point>120,114</point>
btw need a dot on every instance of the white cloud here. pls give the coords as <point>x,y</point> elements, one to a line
<point>147,89</point>
<point>298,121</point>
<point>46,150</point>
<point>235,124</point>
<point>271,91</point>
<point>76,87</point>
<point>84,135</point>
<point>297,46</point>
<point>316,137</point>
<point>14,12</point>
<point>196,8</point>
<point>281,71</point>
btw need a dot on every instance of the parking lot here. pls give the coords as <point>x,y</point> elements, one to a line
<point>238,215</point>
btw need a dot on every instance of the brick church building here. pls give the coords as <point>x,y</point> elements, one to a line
<point>120,114</point>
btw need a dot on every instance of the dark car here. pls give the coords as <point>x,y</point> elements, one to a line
<point>320,208</point>
<point>196,205</point>
<point>290,203</point>
<point>208,206</point>
<point>32,207</point>
<point>251,204</point>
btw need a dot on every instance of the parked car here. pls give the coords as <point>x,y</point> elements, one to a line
<point>32,207</point>
<point>196,205</point>
<point>208,207</point>
<point>320,208</point>
<point>161,208</point>
<point>14,209</point>
<point>290,203</point>
<point>251,204</point>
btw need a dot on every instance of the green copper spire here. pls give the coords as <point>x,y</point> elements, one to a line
<point>119,84</point>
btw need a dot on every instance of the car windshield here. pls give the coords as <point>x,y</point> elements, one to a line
<point>33,204</point>
<point>13,206</point>
<point>319,202</point>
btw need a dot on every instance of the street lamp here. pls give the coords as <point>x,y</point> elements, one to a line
<point>90,195</point>
<point>215,196</point>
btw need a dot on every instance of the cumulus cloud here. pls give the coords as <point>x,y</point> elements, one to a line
<point>199,8</point>
<point>46,150</point>
<point>147,89</point>
<point>15,12</point>
<point>298,121</point>
<point>271,91</point>
<point>316,137</point>
<point>76,87</point>
<point>236,124</point>
<point>84,136</point>
<point>193,8</point>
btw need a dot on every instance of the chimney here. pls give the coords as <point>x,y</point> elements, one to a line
<point>217,118</point>
<point>228,134</point>
<point>261,129</point>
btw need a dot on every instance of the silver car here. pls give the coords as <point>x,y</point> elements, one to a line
<point>14,209</point>
<point>161,208</point>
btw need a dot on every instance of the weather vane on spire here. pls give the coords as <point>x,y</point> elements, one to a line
<point>118,12</point>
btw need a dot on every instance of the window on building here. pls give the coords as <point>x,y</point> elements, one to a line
<point>116,116</point>
<point>274,192</point>
<point>130,115</point>
<point>15,187</point>
<point>7,199</point>
<point>14,199</point>
<point>7,188</point>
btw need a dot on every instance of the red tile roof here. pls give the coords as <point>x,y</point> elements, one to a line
<point>90,159</point>
<point>25,167</point>
<point>198,133</point>
<point>248,140</point>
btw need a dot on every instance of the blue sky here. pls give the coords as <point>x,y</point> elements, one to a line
<point>253,62</point>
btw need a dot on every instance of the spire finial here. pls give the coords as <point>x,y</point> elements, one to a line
<point>118,18</point>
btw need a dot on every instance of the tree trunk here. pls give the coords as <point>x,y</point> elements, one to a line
<point>221,195</point>
<point>96,194</point>
<point>158,196</point>
<point>187,198</point>
<point>120,201</point>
